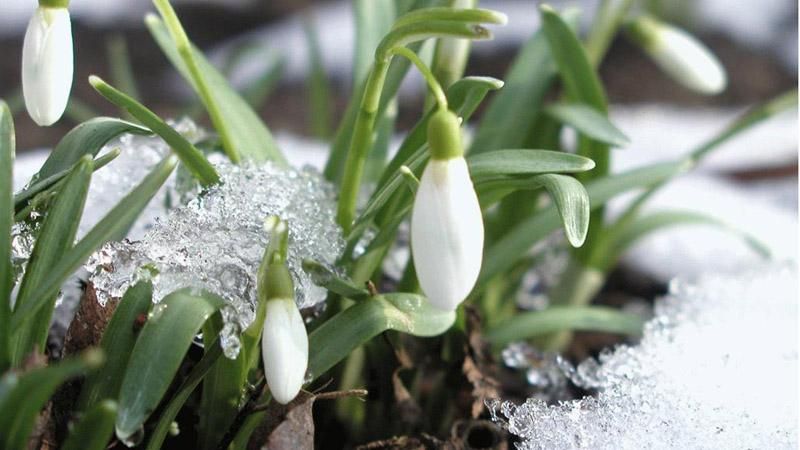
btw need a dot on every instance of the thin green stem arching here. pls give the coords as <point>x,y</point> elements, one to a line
<point>430,79</point>
<point>362,135</point>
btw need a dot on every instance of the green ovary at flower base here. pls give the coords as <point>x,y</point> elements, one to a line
<point>47,62</point>
<point>446,222</point>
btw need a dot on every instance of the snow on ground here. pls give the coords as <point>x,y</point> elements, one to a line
<point>715,369</point>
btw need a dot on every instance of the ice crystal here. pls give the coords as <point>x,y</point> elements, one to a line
<point>543,370</point>
<point>217,240</point>
<point>716,368</point>
<point>551,259</point>
<point>138,156</point>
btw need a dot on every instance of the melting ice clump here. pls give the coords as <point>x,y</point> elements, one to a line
<point>216,242</point>
<point>138,156</point>
<point>716,369</point>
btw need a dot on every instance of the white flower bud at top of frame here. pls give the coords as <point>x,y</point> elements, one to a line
<point>680,55</point>
<point>47,65</point>
<point>284,348</point>
<point>446,223</point>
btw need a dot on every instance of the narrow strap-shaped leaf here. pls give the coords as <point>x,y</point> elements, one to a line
<point>54,238</point>
<point>116,221</point>
<point>22,396</point>
<point>569,195</point>
<point>581,84</point>
<point>119,63</point>
<point>85,139</point>
<point>317,83</point>
<point>244,135</point>
<point>587,121</point>
<point>503,254</point>
<point>413,314</point>
<point>223,383</point>
<point>621,239</point>
<point>196,375</point>
<point>117,342</point>
<point>94,429</point>
<point>563,318</point>
<point>325,277</point>
<point>192,158</point>
<point>572,202</point>
<point>503,163</point>
<point>159,350</point>
<point>27,198</point>
<point>506,122</point>
<point>6,221</point>
<point>579,77</point>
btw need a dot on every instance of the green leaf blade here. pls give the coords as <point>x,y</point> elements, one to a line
<point>579,76</point>
<point>117,342</point>
<point>86,139</point>
<point>192,158</point>
<point>114,224</point>
<point>332,341</point>
<point>572,202</point>
<point>7,152</point>
<point>22,396</point>
<point>244,135</point>
<point>587,121</point>
<point>159,350</point>
<point>94,429</point>
<point>503,163</point>
<point>503,254</point>
<point>562,318</point>
<point>55,237</point>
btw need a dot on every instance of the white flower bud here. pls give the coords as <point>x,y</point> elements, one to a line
<point>47,64</point>
<point>446,232</point>
<point>681,56</point>
<point>284,347</point>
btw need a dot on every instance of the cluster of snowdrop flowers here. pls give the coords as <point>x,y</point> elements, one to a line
<point>446,221</point>
<point>680,55</point>
<point>47,64</point>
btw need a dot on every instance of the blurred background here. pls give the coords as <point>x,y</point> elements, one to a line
<point>267,52</point>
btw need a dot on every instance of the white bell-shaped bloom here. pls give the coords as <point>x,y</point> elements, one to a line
<point>681,56</point>
<point>446,232</point>
<point>284,347</point>
<point>47,64</point>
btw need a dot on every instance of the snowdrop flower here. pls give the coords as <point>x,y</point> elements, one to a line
<point>284,347</point>
<point>446,222</point>
<point>679,54</point>
<point>47,62</point>
<point>284,341</point>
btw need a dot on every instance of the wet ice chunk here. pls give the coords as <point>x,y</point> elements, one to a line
<point>217,240</point>
<point>716,368</point>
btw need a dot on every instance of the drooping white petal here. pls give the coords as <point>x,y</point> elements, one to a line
<point>446,233</point>
<point>47,64</point>
<point>284,347</point>
<point>688,61</point>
